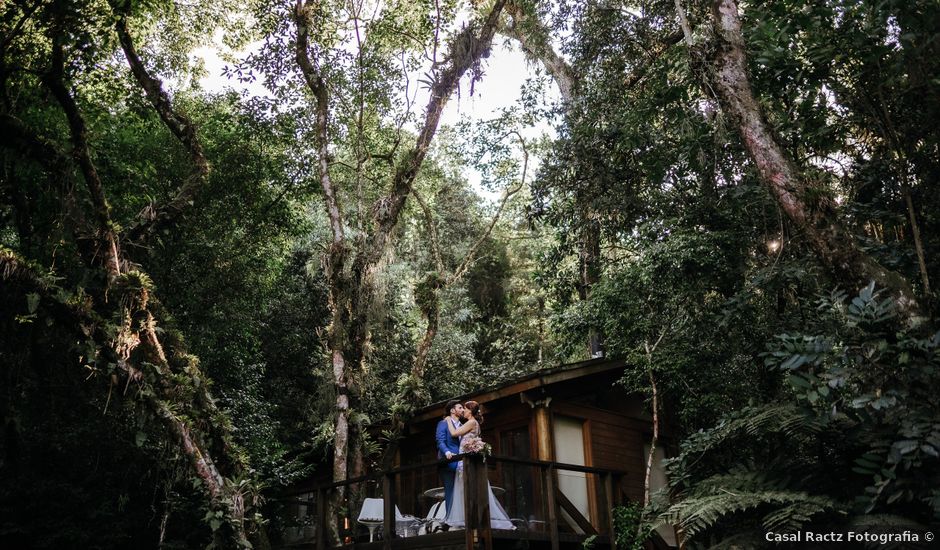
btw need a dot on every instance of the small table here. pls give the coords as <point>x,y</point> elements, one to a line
<point>437,493</point>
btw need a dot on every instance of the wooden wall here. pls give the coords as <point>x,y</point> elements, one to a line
<point>615,424</point>
<point>616,428</point>
<point>616,443</point>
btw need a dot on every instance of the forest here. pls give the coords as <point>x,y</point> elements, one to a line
<point>211,292</point>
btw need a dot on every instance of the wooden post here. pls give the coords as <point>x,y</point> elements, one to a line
<point>483,498</point>
<point>321,521</point>
<point>543,430</point>
<point>470,502</point>
<point>476,504</point>
<point>388,513</point>
<point>618,495</point>
<point>609,490</point>
<point>550,503</point>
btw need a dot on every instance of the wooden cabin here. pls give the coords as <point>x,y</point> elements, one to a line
<point>568,444</point>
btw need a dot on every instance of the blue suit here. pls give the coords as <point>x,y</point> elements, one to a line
<point>445,443</point>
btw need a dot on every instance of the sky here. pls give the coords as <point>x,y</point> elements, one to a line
<point>505,72</point>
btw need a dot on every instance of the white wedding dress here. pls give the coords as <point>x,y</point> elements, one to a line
<point>499,519</point>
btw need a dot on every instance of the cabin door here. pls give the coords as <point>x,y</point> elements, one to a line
<point>569,448</point>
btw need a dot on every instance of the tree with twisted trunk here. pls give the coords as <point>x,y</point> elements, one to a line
<point>117,317</point>
<point>350,261</point>
<point>724,66</point>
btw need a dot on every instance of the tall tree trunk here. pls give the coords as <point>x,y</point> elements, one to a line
<point>649,351</point>
<point>349,266</point>
<point>156,218</point>
<point>654,440</point>
<point>535,39</point>
<point>915,232</point>
<point>650,457</point>
<point>589,257</point>
<point>433,319</point>
<point>900,148</point>
<point>813,214</point>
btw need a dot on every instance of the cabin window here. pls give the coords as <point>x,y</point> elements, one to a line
<point>569,449</point>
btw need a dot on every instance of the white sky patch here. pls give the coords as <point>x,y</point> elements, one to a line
<point>505,73</point>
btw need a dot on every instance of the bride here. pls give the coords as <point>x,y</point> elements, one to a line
<point>470,440</point>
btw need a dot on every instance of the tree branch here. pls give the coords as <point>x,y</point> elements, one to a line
<point>466,50</point>
<point>434,284</point>
<point>535,39</point>
<point>684,23</point>
<point>152,219</point>
<point>79,132</point>
<point>639,72</point>
<point>726,76</point>
<point>509,192</point>
<point>432,229</point>
<point>316,84</point>
<point>16,28</point>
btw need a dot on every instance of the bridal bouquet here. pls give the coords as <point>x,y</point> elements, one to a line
<point>476,445</point>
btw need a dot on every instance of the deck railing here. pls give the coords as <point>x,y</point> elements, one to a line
<point>558,513</point>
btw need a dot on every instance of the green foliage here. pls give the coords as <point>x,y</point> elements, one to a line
<point>856,422</point>
<point>695,255</point>
<point>719,497</point>
<point>874,378</point>
<point>834,424</point>
<point>426,293</point>
<point>410,395</point>
<point>630,530</point>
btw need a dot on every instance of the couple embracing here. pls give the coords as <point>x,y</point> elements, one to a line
<point>457,433</point>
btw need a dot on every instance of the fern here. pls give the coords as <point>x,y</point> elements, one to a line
<point>724,497</point>
<point>794,516</point>
<point>792,509</point>
<point>770,423</point>
<point>785,418</point>
<point>857,431</point>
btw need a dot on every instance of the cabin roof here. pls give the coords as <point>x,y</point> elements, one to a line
<point>529,382</point>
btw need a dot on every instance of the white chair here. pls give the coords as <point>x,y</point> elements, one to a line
<point>372,515</point>
<point>434,520</point>
<point>438,511</point>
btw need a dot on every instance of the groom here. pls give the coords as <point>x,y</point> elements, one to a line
<point>448,446</point>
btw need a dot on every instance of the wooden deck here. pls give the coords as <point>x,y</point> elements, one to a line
<point>555,532</point>
<point>457,540</point>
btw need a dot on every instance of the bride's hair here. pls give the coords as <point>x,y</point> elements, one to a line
<point>475,411</point>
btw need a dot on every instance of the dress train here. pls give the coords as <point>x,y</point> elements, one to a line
<point>499,519</point>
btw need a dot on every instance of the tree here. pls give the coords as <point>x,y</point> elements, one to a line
<point>107,301</point>
<point>811,212</point>
<point>349,262</point>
